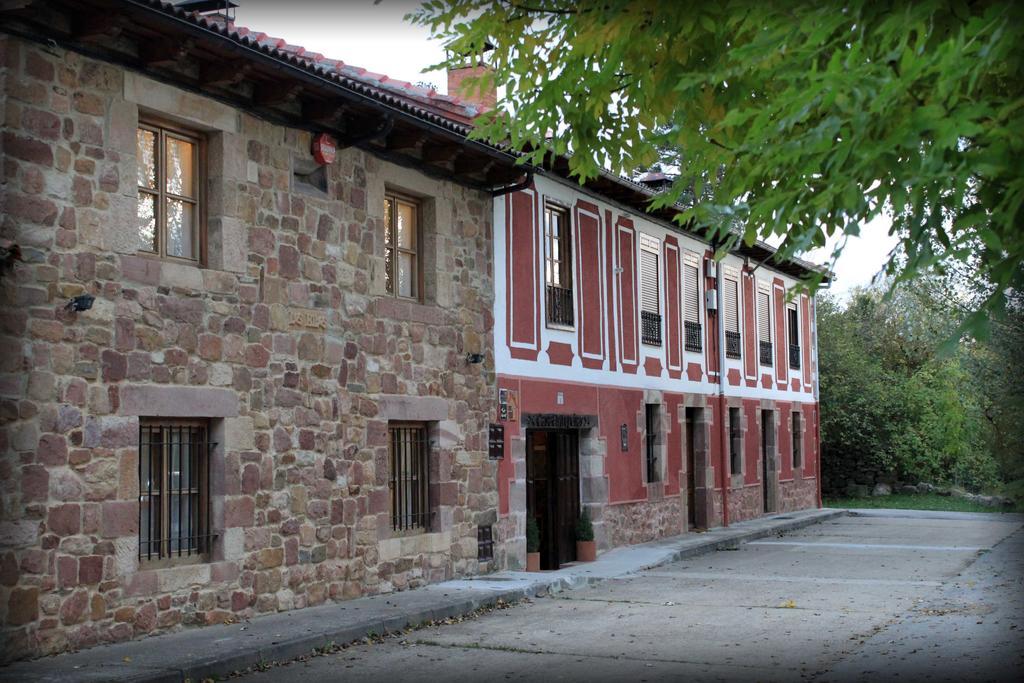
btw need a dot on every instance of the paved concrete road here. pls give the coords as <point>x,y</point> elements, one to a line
<point>875,597</point>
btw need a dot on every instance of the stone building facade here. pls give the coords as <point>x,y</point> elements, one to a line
<point>281,340</point>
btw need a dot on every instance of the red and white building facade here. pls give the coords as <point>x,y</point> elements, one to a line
<point>615,392</point>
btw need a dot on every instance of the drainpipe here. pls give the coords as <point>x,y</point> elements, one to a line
<point>721,396</point>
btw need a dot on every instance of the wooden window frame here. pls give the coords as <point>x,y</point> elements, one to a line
<point>203,534</point>
<point>417,253</point>
<point>164,129</point>
<point>562,266</point>
<point>420,519</point>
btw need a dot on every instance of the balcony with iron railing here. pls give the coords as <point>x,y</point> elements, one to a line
<point>766,352</point>
<point>559,305</point>
<point>732,344</point>
<point>693,340</point>
<point>650,328</point>
<point>794,356</point>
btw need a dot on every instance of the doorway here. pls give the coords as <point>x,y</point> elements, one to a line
<point>691,467</point>
<point>553,492</point>
<point>768,474</point>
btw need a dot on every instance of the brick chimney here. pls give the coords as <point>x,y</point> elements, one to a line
<point>487,99</point>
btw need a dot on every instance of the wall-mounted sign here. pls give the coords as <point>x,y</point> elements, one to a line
<point>496,442</point>
<point>307,317</point>
<point>324,149</point>
<point>559,421</point>
<point>508,405</point>
<point>624,436</point>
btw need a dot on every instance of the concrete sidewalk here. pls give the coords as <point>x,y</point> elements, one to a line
<point>218,650</point>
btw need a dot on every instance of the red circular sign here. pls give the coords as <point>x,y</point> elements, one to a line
<point>324,149</point>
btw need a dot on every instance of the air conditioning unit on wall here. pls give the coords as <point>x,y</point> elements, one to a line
<point>711,268</point>
<point>711,299</point>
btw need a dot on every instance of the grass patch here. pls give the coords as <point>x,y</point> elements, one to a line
<point>915,501</point>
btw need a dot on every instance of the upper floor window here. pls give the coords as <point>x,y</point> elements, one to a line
<point>174,489</point>
<point>650,291</point>
<point>691,305</point>
<point>558,266</point>
<point>402,272</point>
<point>764,327</point>
<point>731,316</point>
<point>170,211</point>
<point>793,330</point>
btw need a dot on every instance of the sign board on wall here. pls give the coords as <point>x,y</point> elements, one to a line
<point>559,421</point>
<point>496,442</point>
<point>508,405</point>
<point>624,436</point>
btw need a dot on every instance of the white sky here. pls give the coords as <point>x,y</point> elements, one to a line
<point>375,36</point>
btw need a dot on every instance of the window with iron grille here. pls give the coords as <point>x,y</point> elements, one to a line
<point>174,489</point>
<point>764,327</point>
<point>484,543</point>
<point>410,506</point>
<point>169,218</point>
<point>558,266</point>
<point>691,308</point>
<point>735,443</point>
<point>793,328</point>
<point>731,294</point>
<point>651,442</point>
<point>797,440</point>
<point>401,247</point>
<point>650,291</point>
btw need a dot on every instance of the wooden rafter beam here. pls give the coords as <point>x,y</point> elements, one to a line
<point>274,94</point>
<point>473,164</point>
<point>165,52</point>
<point>94,27</point>
<point>404,140</point>
<point>323,112</point>
<point>440,153</point>
<point>223,73</point>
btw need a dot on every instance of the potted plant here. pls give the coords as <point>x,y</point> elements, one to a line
<point>532,545</point>
<point>586,549</point>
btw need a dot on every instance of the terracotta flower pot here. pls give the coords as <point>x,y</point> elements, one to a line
<point>533,562</point>
<point>586,551</point>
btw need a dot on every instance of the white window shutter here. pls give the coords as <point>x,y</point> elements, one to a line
<point>732,306</point>
<point>764,322</point>
<point>691,293</point>
<point>649,299</point>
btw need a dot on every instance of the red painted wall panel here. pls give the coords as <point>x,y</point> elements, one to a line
<point>750,364</point>
<point>674,341</point>
<point>805,339</point>
<point>590,328</point>
<point>625,240</point>
<point>779,333</point>
<point>522,246</point>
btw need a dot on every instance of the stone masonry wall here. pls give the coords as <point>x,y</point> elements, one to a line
<point>285,339</point>
<point>629,523</point>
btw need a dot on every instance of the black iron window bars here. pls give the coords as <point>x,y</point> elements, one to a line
<point>410,508</point>
<point>559,305</point>
<point>693,338</point>
<point>732,344</point>
<point>650,328</point>
<point>174,489</point>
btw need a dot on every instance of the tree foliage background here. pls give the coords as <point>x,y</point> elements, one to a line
<point>896,399</point>
<point>797,120</point>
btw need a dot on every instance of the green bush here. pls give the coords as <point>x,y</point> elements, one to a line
<point>584,527</point>
<point>532,535</point>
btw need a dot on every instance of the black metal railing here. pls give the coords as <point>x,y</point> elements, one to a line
<point>794,356</point>
<point>650,328</point>
<point>732,345</point>
<point>410,507</point>
<point>559,302</point>
<point>766,353</point>
<point>692,340</point>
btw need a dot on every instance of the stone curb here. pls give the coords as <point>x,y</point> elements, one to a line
<point>221,663</point>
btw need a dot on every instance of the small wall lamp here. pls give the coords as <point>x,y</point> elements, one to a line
<point>82,302</point>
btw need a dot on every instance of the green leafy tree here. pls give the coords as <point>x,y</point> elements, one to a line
<point>798,120</point>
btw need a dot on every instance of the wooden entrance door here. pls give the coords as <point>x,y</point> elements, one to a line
<point>691,468</point>
<point>769,477</point>
<point>553,492</point>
